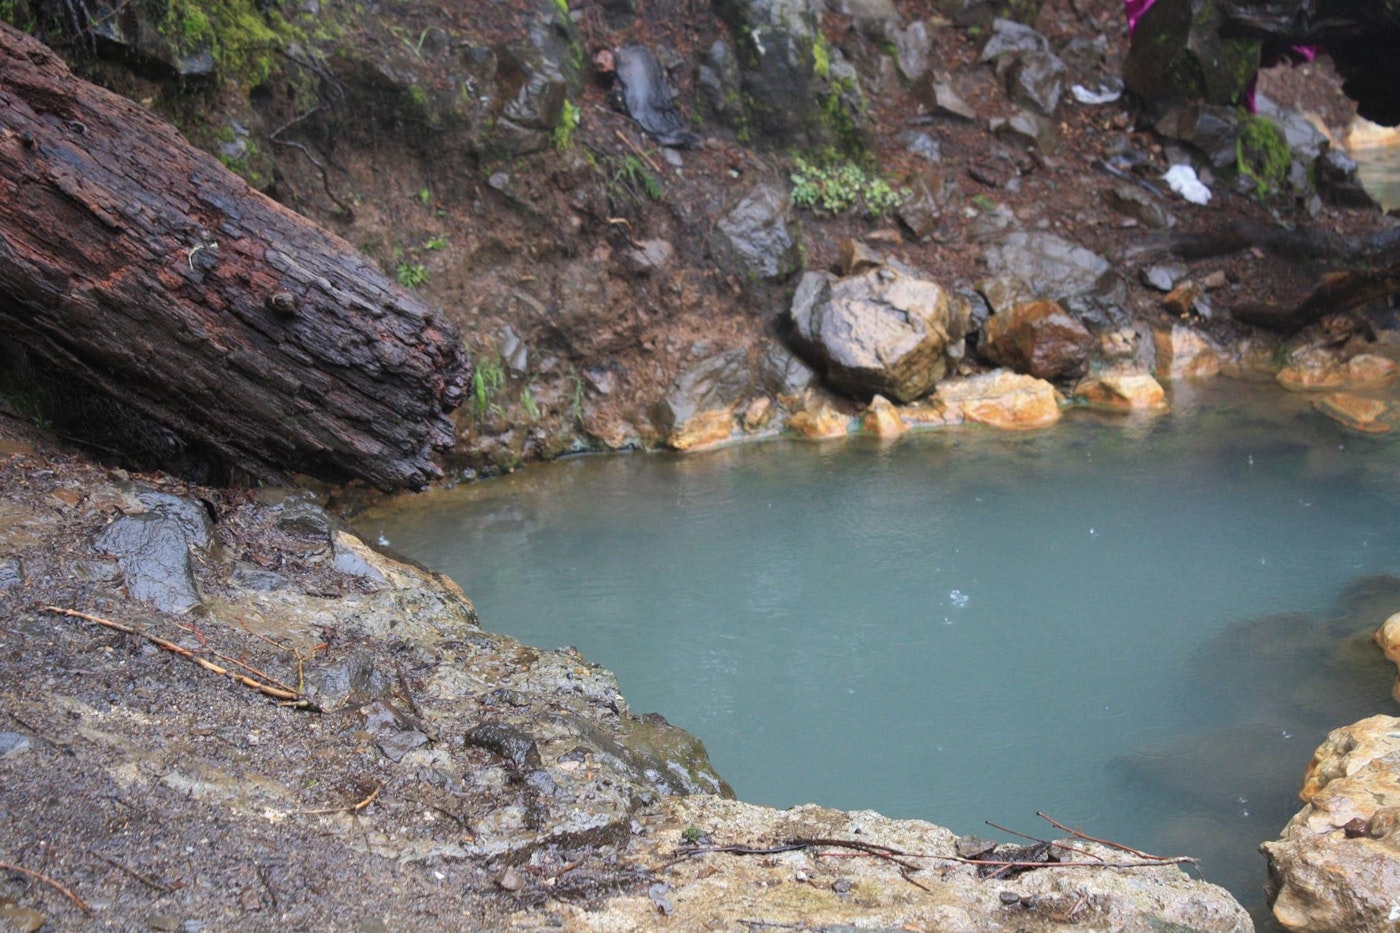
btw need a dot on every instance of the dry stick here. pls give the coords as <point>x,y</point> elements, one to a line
<point>1058,845</point>
<point>1113,845</point>
<point>352,808</point>
<point>638,150</point>
<point>288,697</point>
<point>82,904</point>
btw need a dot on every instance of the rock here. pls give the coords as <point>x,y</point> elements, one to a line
<point>755,238</point>
<point>1027,130</point>
<point>793,96</point>
<point>784,374</point>
<point>717,80</point>
<point>16,919</point>
<point>940,98</point>
<point>1034,75</point>
<point>885,332</point>
<point>1037,338</point>
<point>1177,54</point>
<point>353,558</point>
<point>819,422</point>
<point>1336,865</point>
<point>1058,270</point>
<point>882,419</point>
<point>1338,183</point>
<point>1183,353</point>
<point>1181,300</point>
<point>1320,368</point>
<point>540,73</point>
<point>1132,201</point>
<point>699,409</point>
<point>647,256</point>
<point>1356,412</point>
<point>154,554</point>
<point>13,744</point>
<point>1387,638</point>
<point>1162,278</point>
<point>1000,399</point>
<point>704,429</point>
<point>855,257</point>
<point>912,49</point>
<point>801,890</point>
<point>921,212</point>
<point>1131,392</point>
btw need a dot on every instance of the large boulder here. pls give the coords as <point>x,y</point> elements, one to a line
<point>1038,338</point>
<point>884,332</point>
<point>1178,54</point>
<point>797,91</point>
<point>1336,866</point>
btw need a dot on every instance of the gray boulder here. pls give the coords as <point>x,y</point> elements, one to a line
<point>756,238</point>
<point>884,332</point>
<point>1055,269</point>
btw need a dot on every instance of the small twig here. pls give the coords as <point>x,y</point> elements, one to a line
<point>1039,841</point>
<point>641,153</point>
<point>350,808</point>
<point>288,697</point>
<point>81,904</point>
<point>145,879</point>
<point>1103,842</point>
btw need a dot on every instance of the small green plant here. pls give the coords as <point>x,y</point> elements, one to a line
<point>636,176</point>
<point>436,242</point>
<point>984,204</point>
<point>564,129</point>
<point>411,274</point>
<point>841,186</point>
<point>425,197</point>
<point>527,402</point>
<point>488,380</point>
<point>576,395</point>
<point>691,835</point>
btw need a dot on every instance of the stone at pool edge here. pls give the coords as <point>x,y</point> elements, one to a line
<point>1355,411</point>
<point>1336,865</point>
<point>1128,392</point>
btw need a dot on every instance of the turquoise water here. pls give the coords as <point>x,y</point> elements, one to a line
<point>1141,627</point>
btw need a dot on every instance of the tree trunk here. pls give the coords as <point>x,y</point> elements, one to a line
<point>138,265</point>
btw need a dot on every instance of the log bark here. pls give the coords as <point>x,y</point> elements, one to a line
<point>140,266</point>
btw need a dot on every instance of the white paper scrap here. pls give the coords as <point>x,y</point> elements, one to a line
<point>1102,95</point>
<point>1182,179</point>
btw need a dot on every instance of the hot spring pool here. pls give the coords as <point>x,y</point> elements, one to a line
<point>1142,627</point>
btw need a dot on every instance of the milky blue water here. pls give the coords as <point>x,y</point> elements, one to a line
<point>1139,626</point>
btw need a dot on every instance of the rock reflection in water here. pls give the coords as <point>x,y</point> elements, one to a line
<point>1265,691</point>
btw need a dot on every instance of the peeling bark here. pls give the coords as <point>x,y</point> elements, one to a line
<point>140,266</point>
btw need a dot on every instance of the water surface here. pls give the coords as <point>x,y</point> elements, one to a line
<point>1142,627</point>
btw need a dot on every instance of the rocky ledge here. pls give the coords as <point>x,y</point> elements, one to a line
<point>221,711</point>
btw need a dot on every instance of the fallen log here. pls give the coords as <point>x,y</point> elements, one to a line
<point>138,267</point>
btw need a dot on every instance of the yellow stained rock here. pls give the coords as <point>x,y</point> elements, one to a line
<point>705,429</point>
<point>1131,392</point>
<point>1184,354</point>
<point>817,424</point>
<point>1387,638</point>
<point>1002,399</point>
<point>1354,411</point>
<point>882,419</point>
